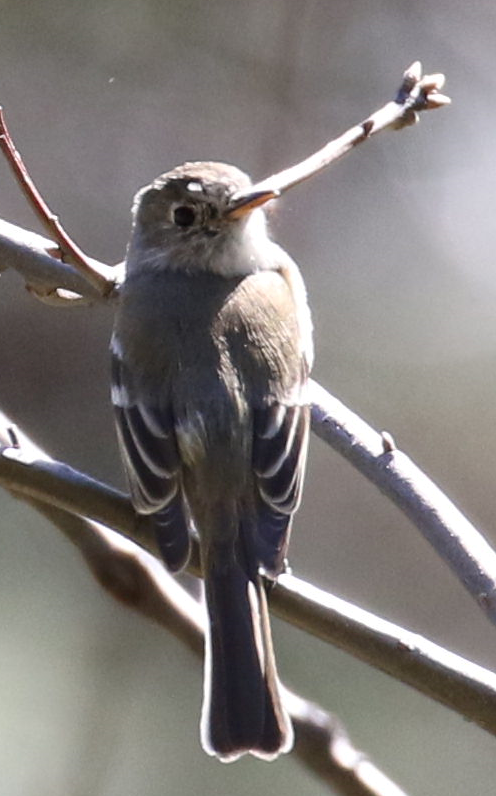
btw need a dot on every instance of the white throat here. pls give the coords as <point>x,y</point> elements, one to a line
<point>246,250</point>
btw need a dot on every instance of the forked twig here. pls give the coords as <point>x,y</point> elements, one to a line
<point>68,248</point>
<point>47,278</point>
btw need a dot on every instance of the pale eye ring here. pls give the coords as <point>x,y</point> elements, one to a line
<point>183,215</point>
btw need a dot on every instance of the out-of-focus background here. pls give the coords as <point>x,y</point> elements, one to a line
<point>396,246</point>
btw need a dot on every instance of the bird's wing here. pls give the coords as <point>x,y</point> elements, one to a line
<point>279,455</point>
<point>151,460</point>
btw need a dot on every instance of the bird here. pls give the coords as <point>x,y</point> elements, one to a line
<point>210,357</point>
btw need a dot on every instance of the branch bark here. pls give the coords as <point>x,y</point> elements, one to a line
<point>452,536</point>
<point>453,681</point>
<point>137,579</point>
<point>28,253</point>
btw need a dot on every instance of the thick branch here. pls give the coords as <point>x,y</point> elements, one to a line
<point>137,579</point>
<point>324,745</point>
<point>32,475</point>
<point>455,682</point>
<point>27,253</point>
<point>453,537</point>
<point>450,679</point>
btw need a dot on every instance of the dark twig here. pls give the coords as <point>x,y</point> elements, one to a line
<point>68,248</point>
<point>455,682</point>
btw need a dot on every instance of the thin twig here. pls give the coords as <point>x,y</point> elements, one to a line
<point>453,681</point>
<point>415,94</point>
<point>49,220</point>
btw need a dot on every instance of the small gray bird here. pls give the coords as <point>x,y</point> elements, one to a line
<point>211,352</point>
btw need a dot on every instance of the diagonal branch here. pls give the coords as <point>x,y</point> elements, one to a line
<point>27,253</point>
<point>450,679</point>
<point>324,745</point>
<point>455,682</point>
<point>137,579</point>
<point>453,537</point>
<point>415,94</point>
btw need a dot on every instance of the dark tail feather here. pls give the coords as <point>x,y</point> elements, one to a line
<point>171,526</point>
<point>242,710</point>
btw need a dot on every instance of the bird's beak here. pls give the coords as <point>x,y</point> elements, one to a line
<point>244,202</point>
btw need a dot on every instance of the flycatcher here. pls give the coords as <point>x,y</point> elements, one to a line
<point>211,352</point>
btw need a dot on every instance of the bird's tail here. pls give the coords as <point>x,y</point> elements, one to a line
<point>242,708</point>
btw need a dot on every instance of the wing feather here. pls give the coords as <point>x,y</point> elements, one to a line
<point>152,463</point>
<point>279,463</point>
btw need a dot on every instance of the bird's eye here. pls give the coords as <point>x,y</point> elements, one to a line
<point>184,216</point>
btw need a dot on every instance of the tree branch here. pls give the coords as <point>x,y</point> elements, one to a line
<point>453,537</point>
<point>324,745</point>
<point>415,94</point>
<point>450,679</point>
<point>447,678</point>
<point>137,579</point>
<point>27,253</point>
<point>67,247</point>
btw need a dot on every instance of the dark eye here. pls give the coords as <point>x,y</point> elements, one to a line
<point>184,216</point>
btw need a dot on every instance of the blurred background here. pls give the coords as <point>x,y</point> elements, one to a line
<point>396,246</point>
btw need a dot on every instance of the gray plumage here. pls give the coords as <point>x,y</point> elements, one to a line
<point>210,358</point>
